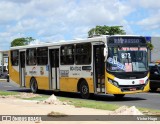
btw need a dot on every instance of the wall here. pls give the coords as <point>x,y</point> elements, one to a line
<point>155,53</point>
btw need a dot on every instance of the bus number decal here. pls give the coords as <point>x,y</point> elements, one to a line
<point>75,68</point>
<point>126,55</point>
<point>64,73</point>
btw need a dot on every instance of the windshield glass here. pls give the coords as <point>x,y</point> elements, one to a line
<point>127,59</point>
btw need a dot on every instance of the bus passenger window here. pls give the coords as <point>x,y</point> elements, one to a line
<point>83,54</point>
<point>67,54</point>
<point>42,56</point>
<point>14,57</point>
<point>31,57</point>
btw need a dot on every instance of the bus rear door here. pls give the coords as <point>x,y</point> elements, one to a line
<point>99,66</point>
<point>22,68</point>
<point>54,68</point>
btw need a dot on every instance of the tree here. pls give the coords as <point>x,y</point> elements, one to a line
<point>150,46</point>
<point>21,41</point>
<point>106,30</point>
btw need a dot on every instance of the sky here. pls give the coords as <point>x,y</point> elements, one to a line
<point>55,20</point>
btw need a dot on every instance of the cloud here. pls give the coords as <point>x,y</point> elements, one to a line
<point>53,20</point>
<point>17,1</point>
<point>150,23</point>
<point>149,4</point>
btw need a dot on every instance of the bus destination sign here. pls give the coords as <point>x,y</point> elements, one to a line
<point>126,40</point>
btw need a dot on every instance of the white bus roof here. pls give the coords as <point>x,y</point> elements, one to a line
<point>92,39</point>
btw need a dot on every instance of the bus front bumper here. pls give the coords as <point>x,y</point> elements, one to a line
<point>112,89</point>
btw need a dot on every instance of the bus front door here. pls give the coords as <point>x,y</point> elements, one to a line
<point>22,68</point>
<point>99,69</point>
<point>54,64</point>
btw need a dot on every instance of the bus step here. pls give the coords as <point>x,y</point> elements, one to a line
<point>101,90</point>
<point>100,93</point>
<point>101,83</point>
<point>56,90</point>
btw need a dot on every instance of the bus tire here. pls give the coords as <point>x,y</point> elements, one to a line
<point>33,85</point>
<point>119,96</point>
<point>84,90</point>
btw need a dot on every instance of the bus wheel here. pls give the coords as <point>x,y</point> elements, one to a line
<point>33,85</point>
<point>84,90</point>
<point>119,96</point>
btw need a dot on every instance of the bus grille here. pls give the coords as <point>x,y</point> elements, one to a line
<point>131,87</point>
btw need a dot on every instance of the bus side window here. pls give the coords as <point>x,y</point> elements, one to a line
<point>83,53</point>
<point>67,54</point>
<point>31,57</point>
<point>14,57</point>
<point>42,56</point>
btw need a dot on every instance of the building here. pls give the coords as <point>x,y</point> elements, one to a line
<point>155,53</point>
<point>3,61</point>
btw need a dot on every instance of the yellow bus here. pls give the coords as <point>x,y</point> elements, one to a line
<point>99,65</point>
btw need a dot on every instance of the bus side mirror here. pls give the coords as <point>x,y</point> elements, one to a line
<point>105,53</point>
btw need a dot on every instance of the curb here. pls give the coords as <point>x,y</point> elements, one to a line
<point>3,80</point>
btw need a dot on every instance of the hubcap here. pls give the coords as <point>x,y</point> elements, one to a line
<point>84,89</point>
<point>33,85</point>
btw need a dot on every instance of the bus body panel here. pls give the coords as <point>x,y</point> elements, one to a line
<point>41,81</point>
<point>27,79</point>
<point>70,84</point>
<point>14,74</point>
<point>40,73</point>
<point>147,87</point>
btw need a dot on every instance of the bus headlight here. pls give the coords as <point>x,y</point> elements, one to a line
<point>146,81</point>
<point>115,83</point>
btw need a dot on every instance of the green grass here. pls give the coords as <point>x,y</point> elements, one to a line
<point>148,111</point>
<point>104,106</point>
<point>7,93</point>
<point>90,104</point>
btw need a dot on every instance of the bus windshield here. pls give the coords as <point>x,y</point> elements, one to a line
<point>127,59</point>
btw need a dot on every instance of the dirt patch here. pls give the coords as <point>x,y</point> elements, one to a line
<point>56,114</point>
<point>28,95</point>
<point>52,100</point>
<point>8,96</point>
<point>21,95</point>
<point>124,110</point>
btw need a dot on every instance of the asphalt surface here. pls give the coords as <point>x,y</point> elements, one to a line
<point>144,100</point>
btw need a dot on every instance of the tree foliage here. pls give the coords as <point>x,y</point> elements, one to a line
<point>106,30</point>
<point>150,45</point>
<point>21,41</point>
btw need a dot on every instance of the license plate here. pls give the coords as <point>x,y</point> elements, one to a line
<point>132,89</point>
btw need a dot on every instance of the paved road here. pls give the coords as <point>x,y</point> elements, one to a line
<point>145,100</point>
<point>6,86</point>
